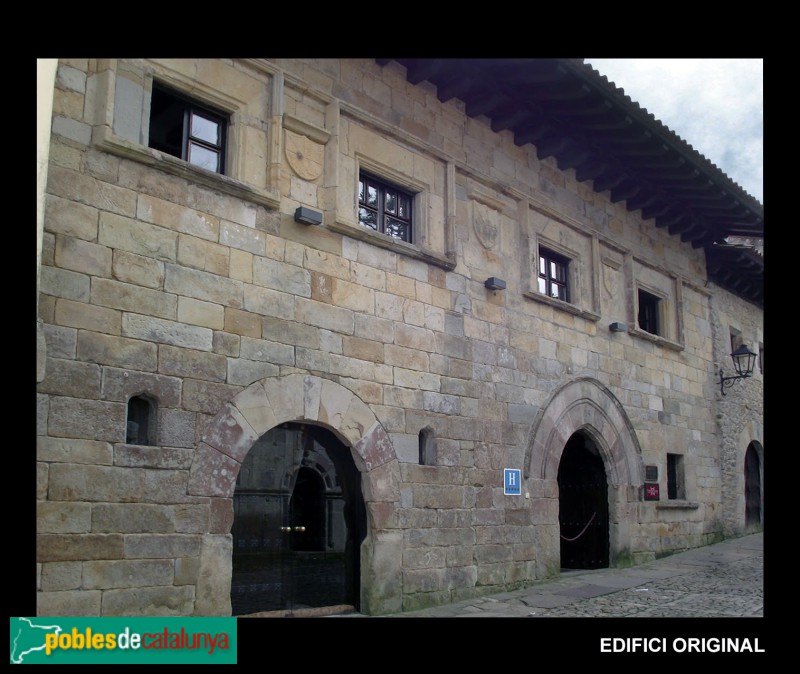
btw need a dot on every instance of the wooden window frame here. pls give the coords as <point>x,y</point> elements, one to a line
<point>648,315</point>
<point>553,271</point>
<point>379,209</point>
<point>191,110</point>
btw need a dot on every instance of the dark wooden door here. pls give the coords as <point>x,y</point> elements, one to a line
<point>752,488</point>
<point>583,506</point>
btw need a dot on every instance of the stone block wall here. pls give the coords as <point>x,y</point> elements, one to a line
<point>740,412</point>
<point>158,278</point>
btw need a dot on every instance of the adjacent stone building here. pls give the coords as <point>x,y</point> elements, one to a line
<point>385,334</point>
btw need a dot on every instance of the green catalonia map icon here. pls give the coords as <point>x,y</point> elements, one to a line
<point>28,640</point>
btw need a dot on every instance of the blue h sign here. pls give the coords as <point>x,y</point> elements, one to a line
<point>512,482</point>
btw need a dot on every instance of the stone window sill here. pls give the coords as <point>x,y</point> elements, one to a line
<point>121,147</point>
<point>677,504</point>
<point>382,241</point>
<point>561,305</point>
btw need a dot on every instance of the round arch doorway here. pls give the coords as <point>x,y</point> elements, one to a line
<point>299,520</point>
<point>583,505</point>
<point>752,489</point>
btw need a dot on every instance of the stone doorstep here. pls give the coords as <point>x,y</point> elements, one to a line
<point>318,612</point>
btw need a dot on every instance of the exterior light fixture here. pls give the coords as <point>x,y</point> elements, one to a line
<point>494,283</point>
<point>616,326</point>
<point>744,361</point>
<point>306,216</point>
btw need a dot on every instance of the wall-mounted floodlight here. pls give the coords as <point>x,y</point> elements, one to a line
<point>306,216</point>
<point>494,283</point>
<point>616,326</point>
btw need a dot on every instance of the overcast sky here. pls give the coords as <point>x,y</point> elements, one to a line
<point>715,105</point>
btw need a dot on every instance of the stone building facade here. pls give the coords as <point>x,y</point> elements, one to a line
<point>740,414</point>
<point>234,336</point>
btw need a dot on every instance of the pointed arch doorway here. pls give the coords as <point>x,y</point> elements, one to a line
<point>299,520</point>
<point>583,505</point>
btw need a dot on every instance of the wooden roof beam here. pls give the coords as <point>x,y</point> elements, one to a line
<point>641,200</point>
<point>571,158</point>
<point>509,118</point>
<point>609,181</point>
<point>455,88</point>
<point>591,170</point>
<point>626,191</point>
<point>419,70</point>
<point>551,145</point>
<point>485,104</point>
<point>655,210</point>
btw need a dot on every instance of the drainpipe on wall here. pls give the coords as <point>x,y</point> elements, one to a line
<point>45,85</point>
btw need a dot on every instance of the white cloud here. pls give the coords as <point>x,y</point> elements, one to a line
<point>715,105</point>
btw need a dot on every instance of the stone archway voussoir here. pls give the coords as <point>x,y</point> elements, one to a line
<point>212,473</point>
<point>255,408</point>
<point>230,433</point>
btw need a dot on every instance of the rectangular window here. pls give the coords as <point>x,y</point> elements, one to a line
<point>139,429</point>
<point>649,312</point>
<point>385,208</point>
<point>186,129</point>
<point>761,358</point>
<point>553,275</point>
<point>675,484</point>
<point>736,339</point>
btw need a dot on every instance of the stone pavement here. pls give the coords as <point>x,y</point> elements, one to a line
<point>721,580</point>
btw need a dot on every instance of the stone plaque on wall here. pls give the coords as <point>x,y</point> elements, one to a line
<point>485,220</point>
<point>304,155</point>
<point>611,280</point>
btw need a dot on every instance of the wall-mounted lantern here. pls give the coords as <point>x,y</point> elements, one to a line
<point>744,360</point>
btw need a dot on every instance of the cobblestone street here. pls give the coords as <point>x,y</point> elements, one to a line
<point>721,580</point>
